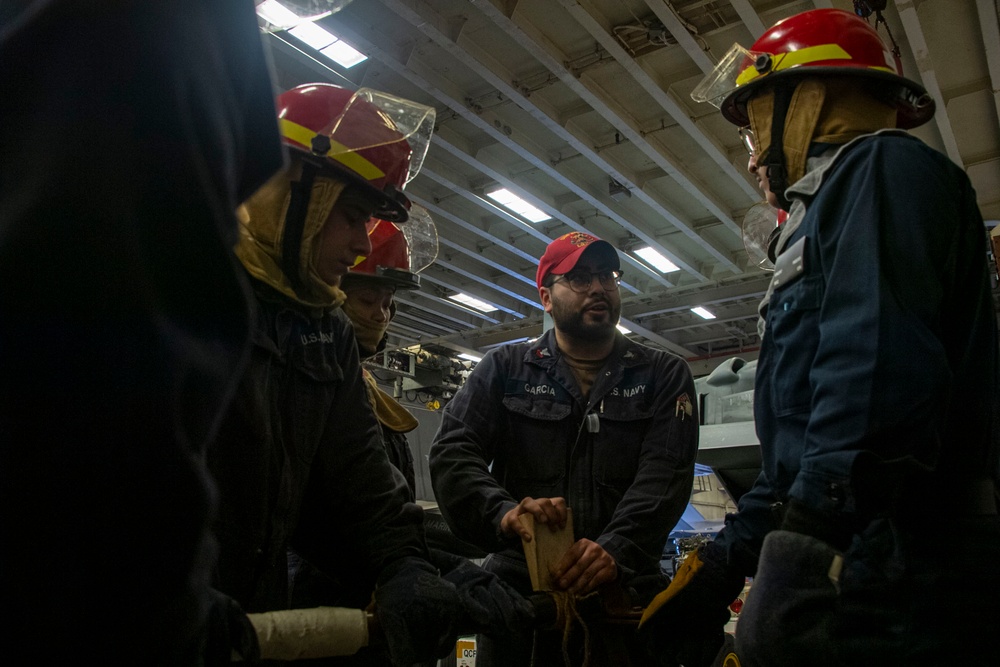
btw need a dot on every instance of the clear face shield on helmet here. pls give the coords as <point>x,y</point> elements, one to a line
<point>352,131</point>
<point>399,251</point>
<point>275,15</point>
<point>735,69</point>
<point>421,237</point>
<point>761,226</point>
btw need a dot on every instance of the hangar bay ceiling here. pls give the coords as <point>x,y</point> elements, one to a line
<point>583,109</point>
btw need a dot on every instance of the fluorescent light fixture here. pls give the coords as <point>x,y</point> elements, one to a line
<point>473,302</point>
<point>343,54</point>
<point>702,312</point>
<point>285,14</point>
<point>623,329</point>
<point>509,200</point>
<point>313,35</point>
<point>656,260</point>
<point>277,14</point>
<point>470,357</point>
<point>328,44</point>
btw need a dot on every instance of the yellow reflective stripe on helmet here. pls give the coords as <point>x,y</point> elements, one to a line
<point>339,152</point>
<point>781,61</point>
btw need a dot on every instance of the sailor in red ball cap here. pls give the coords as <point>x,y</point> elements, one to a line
<point>579,428</point>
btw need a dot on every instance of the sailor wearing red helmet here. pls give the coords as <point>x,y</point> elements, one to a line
<point>370,287</point>
<point>299,463</point>
<point>876,387</point>
<point>398,255</point>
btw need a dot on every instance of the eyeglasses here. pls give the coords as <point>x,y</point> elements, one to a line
<point>746,134</point>
<point>581,281</point>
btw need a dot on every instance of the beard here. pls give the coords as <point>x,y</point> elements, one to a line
<point>586,325</point>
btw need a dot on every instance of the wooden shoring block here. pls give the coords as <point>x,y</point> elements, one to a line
<point>545,549</point>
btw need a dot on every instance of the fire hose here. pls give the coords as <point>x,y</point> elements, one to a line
<point>320,632</point>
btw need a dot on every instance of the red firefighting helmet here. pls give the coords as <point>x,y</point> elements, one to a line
<point>398,253</point>
<point>817,42</point>
<point>371,139</point>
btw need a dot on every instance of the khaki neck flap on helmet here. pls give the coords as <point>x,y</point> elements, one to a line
<point>263,222</point>
<point>827,110</point>
<point>388,410</point>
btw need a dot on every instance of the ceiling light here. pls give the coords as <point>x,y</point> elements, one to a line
<point>655,259</point>
<point>284,14</point>
<point>470,357</point>
<point>623,329</point>
<point>473,302</point>
<point>510,201</point>
<point>328,44</point>
<point>277,14</point>
<point>343,54</point>
<point>703,313</point>
<point>313,35</point>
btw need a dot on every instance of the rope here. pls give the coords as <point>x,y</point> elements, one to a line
<point>567,616</point>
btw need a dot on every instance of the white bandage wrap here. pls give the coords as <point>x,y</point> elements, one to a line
<point>320,632</point>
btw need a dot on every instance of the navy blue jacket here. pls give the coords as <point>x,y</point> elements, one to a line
<point>299,463</point>
<point>877,379</point>
<point>519,427</point>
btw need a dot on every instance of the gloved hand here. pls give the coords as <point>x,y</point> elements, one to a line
<point>418,611</point>
<point>789,615</point>
<point>834,529</point>
<point>684,623</point>
<point>491,606</point>
<point>229,630</point>
<point>788,618</point>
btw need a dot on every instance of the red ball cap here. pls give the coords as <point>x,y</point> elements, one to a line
<point>562,254</point>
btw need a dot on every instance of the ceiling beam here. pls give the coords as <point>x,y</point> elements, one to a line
<point>486,282</point>
<point>480,258</point>
<point>651,335</point>
<point>428,23</point>
<point>684,263</point>
<point>459,289</point>
<point>674,301</point>
<point>749,17</point>
<point>989,24</point>
<point>412,304</point>
<point>672,21</point>
<point>928,77</point>
<point>586,15</point>
<point>530,39</point>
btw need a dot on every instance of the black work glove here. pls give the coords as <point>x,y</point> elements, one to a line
<point>229,630</point>
<point>788,618</point>
<point>417,610</point>
<point>684,624</point>
<point>834,529</point>
<point>491,606</point>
